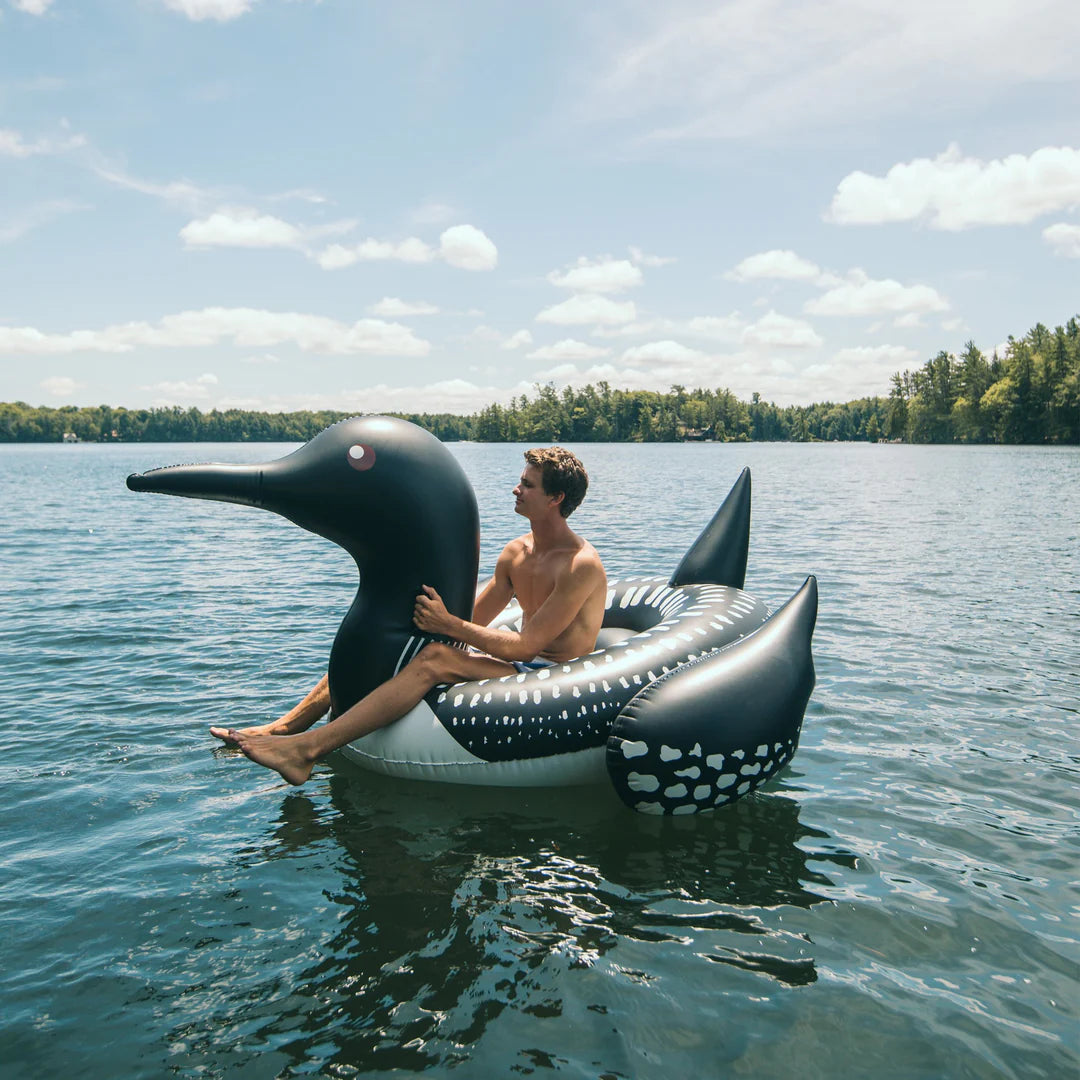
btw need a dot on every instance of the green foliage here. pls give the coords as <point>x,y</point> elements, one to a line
<point>1032,394</point>
<point>591,414</point>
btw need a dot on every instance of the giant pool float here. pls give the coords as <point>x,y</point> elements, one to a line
<point>694,696</point>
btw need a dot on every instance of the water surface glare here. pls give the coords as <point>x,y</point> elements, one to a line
<point>901,902</point>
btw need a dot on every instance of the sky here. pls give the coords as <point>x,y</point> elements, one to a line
<point>431,206</point>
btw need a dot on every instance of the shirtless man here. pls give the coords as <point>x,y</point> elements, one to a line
<point>557,578</point>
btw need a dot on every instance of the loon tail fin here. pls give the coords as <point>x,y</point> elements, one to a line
<point>718,556</point>
<point>716,728</point>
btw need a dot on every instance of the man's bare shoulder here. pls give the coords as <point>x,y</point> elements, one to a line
<point>578,561</point>
<point>520,545</point>
<point>586,561</point>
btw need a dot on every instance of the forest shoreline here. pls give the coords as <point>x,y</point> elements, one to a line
<point>1029,396</point>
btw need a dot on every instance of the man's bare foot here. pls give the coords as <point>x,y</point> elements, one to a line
<point>283,753</point>
<point>228,734</point>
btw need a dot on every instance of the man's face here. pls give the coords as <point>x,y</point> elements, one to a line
<point>529,495</point>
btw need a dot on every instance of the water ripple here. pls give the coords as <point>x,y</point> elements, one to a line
<point>903,896</point>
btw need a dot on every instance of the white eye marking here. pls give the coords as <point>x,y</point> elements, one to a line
<point>361,457</point>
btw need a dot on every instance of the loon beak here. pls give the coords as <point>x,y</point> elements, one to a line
<point>223,483</point>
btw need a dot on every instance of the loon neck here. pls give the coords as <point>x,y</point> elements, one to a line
<point>377,634</point>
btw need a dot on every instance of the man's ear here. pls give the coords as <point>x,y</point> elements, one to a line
<point>558,498</point>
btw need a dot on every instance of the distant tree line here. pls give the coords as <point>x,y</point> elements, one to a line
<point>20,422</point>
<point>591,414</point>
<point>1029,395</point>
<point>601,414</point>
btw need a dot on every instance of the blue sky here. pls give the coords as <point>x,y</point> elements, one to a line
<point>288,204</point>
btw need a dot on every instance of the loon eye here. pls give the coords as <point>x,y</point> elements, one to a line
<point>361,457</point>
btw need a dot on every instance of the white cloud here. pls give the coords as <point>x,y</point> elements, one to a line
<point>662,353</point>
<point>775,329</point>
<point>954,192</point>
<point>605,275</point>
<point>447,395</point>
<point>787,378</point>
<point>218,10</point>
<point>580,310</point>
<point>240,226</point>
<point>245,227</point>
<point>12,144</point>
<point>656,365</point>
<point>717,327</point>
<point>619,378</point>
<point>694,70</point>
<point>33,7</point>
<point>517,340</point>
<point>656,376</point>
<point>780,264</point>
<point>647,328</point>
<point>411,250</point>
<point>782,358</point>
<point>300,195</point>
<point>468,248</point>
<point>486,335</point>
<point>433,213</point>
<point>245,327</point>
<point>175,192</point>
<point>863,371</point>
<point>726,328</point>
<point>862,295</point>
<point>1063,239</point>
<point>262,358</point>
<point>390,307</point>
<point>643,259</point>
<point>561,375</point>
<point>34,217</point>
<point>463,246</point>
<point>60,385</point>
<point>170,392</point>
<point>568,350</point>
<point>857,294</point>
<point>336,257</point>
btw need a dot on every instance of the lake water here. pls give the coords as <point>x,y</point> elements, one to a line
<point>901,902</point>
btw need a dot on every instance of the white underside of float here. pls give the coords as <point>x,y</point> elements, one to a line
<point>418,747</point>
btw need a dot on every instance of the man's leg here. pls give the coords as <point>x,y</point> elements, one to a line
<point>298,718</point>
<point>294,755</point>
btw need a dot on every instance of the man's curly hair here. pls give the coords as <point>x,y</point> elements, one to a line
<point>563,475</point>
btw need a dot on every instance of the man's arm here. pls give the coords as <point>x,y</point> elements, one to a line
<point>497,593</point>
<point>572,590</point>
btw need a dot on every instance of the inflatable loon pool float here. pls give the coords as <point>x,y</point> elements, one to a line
<point>694,696</point>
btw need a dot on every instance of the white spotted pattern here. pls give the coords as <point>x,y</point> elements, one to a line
<point>683,627</point>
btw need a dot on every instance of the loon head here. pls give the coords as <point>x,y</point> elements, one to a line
<point>385,490</point>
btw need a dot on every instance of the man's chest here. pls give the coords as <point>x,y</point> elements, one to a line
<point>533,577</point>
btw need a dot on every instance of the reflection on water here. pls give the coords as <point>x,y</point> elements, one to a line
<point>902,899</point>
<point>455,906</point>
